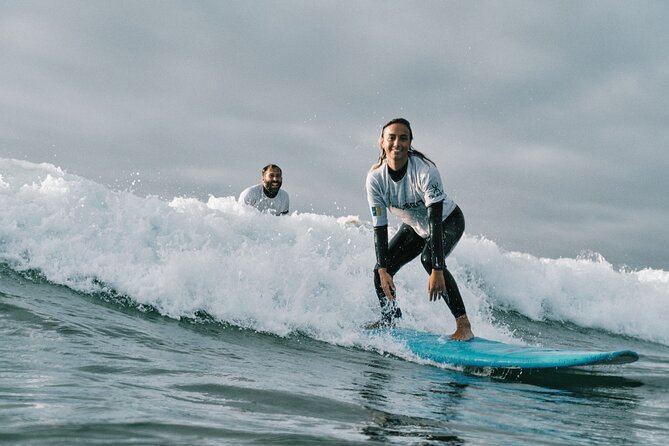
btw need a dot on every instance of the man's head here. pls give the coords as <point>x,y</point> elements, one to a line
<point>271,179</point>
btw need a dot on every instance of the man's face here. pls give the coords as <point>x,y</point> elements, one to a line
<point>271,180</point>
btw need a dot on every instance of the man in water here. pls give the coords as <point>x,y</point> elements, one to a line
<point>267,196</point>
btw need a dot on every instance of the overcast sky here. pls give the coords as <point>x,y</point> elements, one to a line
<point>549,120</point>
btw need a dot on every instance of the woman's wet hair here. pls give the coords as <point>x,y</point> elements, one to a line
<point>402,121</point>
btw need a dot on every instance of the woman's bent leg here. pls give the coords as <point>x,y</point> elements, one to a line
<point>402,248</point>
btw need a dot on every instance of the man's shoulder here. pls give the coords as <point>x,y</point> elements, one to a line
<point>251,191</point>
<point>254,188</point>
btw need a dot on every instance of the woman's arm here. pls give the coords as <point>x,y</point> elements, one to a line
<point>437,284</point>
<point>436,239</point>
<point>381,247</point>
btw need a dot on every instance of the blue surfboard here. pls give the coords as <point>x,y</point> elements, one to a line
<point>481,352</point>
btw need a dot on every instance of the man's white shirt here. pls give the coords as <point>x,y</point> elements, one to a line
<point>254,196</point>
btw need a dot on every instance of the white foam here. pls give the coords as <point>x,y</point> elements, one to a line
<point>303,272</point>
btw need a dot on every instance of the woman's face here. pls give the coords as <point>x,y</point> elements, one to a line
<point>395,142</point>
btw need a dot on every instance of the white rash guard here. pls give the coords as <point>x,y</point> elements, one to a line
<point>408,198</point>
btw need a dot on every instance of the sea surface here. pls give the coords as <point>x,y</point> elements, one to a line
<point>143,320</point>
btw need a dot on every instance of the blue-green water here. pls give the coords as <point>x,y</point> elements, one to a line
<point>82,369</point>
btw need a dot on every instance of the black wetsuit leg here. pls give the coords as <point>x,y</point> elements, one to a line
<point>405,246</point>
<point>452,230</point>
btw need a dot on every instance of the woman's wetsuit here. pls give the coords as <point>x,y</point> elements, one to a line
<point>415,193</point>
<point>406,245</point>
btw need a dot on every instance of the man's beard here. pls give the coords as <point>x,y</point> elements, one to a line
<point>271,190</point>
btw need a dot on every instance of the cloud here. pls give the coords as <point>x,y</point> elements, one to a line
<point>546,119</point>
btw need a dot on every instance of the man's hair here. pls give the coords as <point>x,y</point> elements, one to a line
<point>270,166</point>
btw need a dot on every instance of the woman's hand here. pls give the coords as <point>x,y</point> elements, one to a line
<point>387,283</point>
<point>436,286</point>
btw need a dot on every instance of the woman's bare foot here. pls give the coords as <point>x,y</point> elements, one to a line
<point>463,329</point>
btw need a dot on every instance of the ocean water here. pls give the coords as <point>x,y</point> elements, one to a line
<point>140,320</point>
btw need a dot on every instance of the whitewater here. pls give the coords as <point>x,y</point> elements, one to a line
<point>307,273</point>
<point>210,314</point>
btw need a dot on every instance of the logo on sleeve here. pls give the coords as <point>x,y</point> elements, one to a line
<point>434,191</point>
<point>376,211</point>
